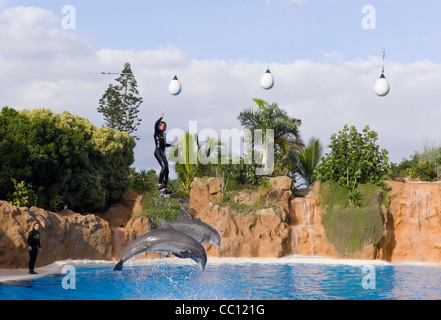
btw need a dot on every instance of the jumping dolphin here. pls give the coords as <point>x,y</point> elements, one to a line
<point>202,232</point>
<point>167,239</point>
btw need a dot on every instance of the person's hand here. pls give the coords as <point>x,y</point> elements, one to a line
<point>39,249</point>
<point>30,248</point>
<point>162,115</point>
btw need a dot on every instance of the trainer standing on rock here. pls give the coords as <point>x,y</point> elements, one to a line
<point>34,247</point>
<point>160,145</point>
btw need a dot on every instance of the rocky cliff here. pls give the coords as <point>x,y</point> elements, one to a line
<point>293,226</point>
<point>65,235</point>
<point>308,236</point>
<point>261,232</point>
<point>413,223</point>
<point>69,235</point>
<point>289,225</point>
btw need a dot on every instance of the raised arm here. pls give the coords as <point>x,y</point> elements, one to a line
<point>158,122</point>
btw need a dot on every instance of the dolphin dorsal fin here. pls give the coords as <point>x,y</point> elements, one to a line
<point>165,224</point>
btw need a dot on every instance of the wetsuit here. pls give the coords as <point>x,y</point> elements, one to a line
<point>160,146</point>
<point>34,243</point>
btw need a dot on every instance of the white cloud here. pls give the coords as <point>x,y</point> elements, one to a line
<point>324,96</point>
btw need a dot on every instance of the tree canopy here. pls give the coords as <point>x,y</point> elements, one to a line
<point>354,159</point>
<point>120,103</point>
<point>286,132</point>
<point>66,159</point>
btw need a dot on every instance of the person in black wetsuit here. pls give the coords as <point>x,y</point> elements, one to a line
<point>160,145</point>
<point>33,246</point>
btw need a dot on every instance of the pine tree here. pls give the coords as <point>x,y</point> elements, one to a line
<point>120,103</point>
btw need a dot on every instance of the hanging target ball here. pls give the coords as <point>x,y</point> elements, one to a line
<point>267,80</point>
<point>382,86</point>
<point>175,87</point>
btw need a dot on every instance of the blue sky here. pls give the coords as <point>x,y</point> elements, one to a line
<point>219,50</point>
<point>271,31</point>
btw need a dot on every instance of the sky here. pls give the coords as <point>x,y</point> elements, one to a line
<point>325,56</point>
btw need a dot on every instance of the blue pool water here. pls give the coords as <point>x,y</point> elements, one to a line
<point>235,281</point>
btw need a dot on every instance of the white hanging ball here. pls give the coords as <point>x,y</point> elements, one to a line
<point>382,86</point>
<point>175,87</point>
<point>267,80</point>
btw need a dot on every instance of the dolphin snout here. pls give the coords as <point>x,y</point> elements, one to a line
<point>201,264</point>
<point>216,241</point>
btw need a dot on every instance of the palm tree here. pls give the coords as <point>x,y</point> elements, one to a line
<point>309,158</point>
<point>193,156</point>
<point>270,116</point>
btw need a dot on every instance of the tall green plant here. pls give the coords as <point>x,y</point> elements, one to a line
<point>194,158</point>
<point>187,166</point>
<point>309,158</point>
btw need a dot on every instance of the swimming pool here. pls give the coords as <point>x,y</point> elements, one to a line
<point>234,279</point>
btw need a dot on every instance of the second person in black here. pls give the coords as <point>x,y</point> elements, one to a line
<point>34,247</point>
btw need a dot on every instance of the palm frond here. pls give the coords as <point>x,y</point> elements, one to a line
<point>309,158</point>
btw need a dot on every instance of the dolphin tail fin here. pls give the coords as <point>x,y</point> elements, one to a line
<point>118,266</point>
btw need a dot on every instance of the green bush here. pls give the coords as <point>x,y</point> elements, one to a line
<point>181,194</point>
<point>143,180</point>
<point>427,172</point>
<point>423,172</point>
<point>425,166</point>
<point>66,159</point>
<point>240,173</point>
<point>372,195</point>
<point>331,194</point>
<point>156,207</point>
<point>354,159</point>
<point>23,195</point>
<point>242,208</point>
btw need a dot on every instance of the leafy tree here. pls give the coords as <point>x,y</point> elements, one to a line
<point>63,159</point>
<point>286,131</point>
<point>120,103</point>
<point>355,158</point>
